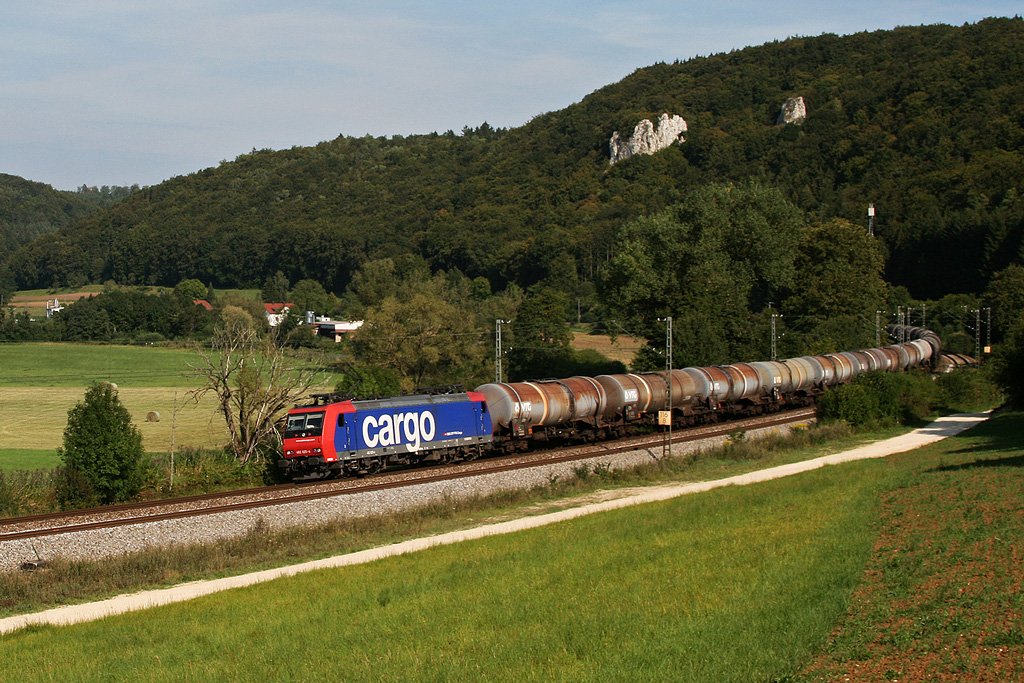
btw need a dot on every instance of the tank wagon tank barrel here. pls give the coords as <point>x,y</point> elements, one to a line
<point>605,402</point>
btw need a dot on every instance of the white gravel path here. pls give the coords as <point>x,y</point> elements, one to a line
<point>940,429</point>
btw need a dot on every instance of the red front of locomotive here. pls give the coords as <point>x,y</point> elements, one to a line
<point>309,433</point>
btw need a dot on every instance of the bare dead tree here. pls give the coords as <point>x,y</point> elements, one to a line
<point>254,383</point>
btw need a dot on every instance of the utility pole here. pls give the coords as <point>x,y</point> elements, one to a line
<point>988,331</point>
<point>174,422</point>
<point>871,220</point>
<point>666,445</point>
<point>965,321</point>
<point>775,352</point>
<point>497,349</point>
<point>977,334</point>
<point>878,329</point>
<point>924,315</point>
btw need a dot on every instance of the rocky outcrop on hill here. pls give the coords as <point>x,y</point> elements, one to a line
<point>793,111</point>
<point>648,138</point>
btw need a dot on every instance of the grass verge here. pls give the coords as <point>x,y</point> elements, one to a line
<point>73,582</point>
<point>633,594</point>
<point>736,584</point>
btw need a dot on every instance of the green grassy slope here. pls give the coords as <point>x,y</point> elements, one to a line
<point>738,584</point>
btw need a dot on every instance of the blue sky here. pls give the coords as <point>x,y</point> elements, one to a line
<point>115,92</point>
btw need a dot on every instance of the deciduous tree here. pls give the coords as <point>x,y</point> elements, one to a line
<point>709,261</point>
<point>1005,296</point>
<point>841,286</point>
<point>254,383</point>
<point>275,288</point>
<point>310,295</point>
<point>425,337</point>
<point>190,289</point>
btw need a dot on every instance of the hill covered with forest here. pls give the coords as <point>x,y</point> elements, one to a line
<point>926,123</point>
<point>29,209</point>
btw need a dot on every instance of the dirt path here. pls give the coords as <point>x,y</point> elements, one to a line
<point>940,429</point>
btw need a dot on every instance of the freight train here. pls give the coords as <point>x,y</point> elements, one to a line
<point>331,437</point>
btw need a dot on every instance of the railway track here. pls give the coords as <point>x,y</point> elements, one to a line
<point>38,526</point>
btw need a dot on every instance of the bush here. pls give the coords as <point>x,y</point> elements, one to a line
<point>150,338</point>
<point>74,489</point>
<point>1009,364</point>
<point>365,381</point>
<point>854,404</point>
<point>102,453</point>
<point>199,470</point>
<point>539,363</point>
<point>882,398</point>
<point>968,389</point>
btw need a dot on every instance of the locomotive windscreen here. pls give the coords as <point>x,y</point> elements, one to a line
<point>304,424</point>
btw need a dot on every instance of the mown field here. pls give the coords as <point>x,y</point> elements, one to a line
<point>907,568</point>
<point>33,418</point>
<point>78,365</point>
<point>33,301</point>
<point>41,382</point>
<point>622,349</point>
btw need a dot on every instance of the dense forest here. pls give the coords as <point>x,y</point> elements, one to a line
<point>926,123</point>
<point>29,209</point>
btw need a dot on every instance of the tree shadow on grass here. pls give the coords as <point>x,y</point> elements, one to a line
<point>1012,461</point>
<point>1003,434</point>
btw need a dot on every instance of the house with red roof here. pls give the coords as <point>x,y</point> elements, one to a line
<point>276,312</point>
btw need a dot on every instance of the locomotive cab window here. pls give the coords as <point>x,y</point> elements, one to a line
<point>341,420</point>
<point>304,424</point>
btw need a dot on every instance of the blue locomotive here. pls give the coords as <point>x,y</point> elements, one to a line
<point>332,438</point>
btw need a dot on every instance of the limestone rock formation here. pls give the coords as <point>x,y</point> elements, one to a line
<point>793,111</point>
<point>648,138</point>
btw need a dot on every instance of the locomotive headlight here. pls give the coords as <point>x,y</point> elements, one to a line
<point>289,452</point>
<point>317,450</point>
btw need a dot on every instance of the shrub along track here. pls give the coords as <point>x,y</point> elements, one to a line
<point>39,526</point>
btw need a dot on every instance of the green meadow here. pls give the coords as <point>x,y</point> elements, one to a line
<point>739,584</point>
<point>41,382</point>
<point>78,365</point>
<point>28,458</point>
